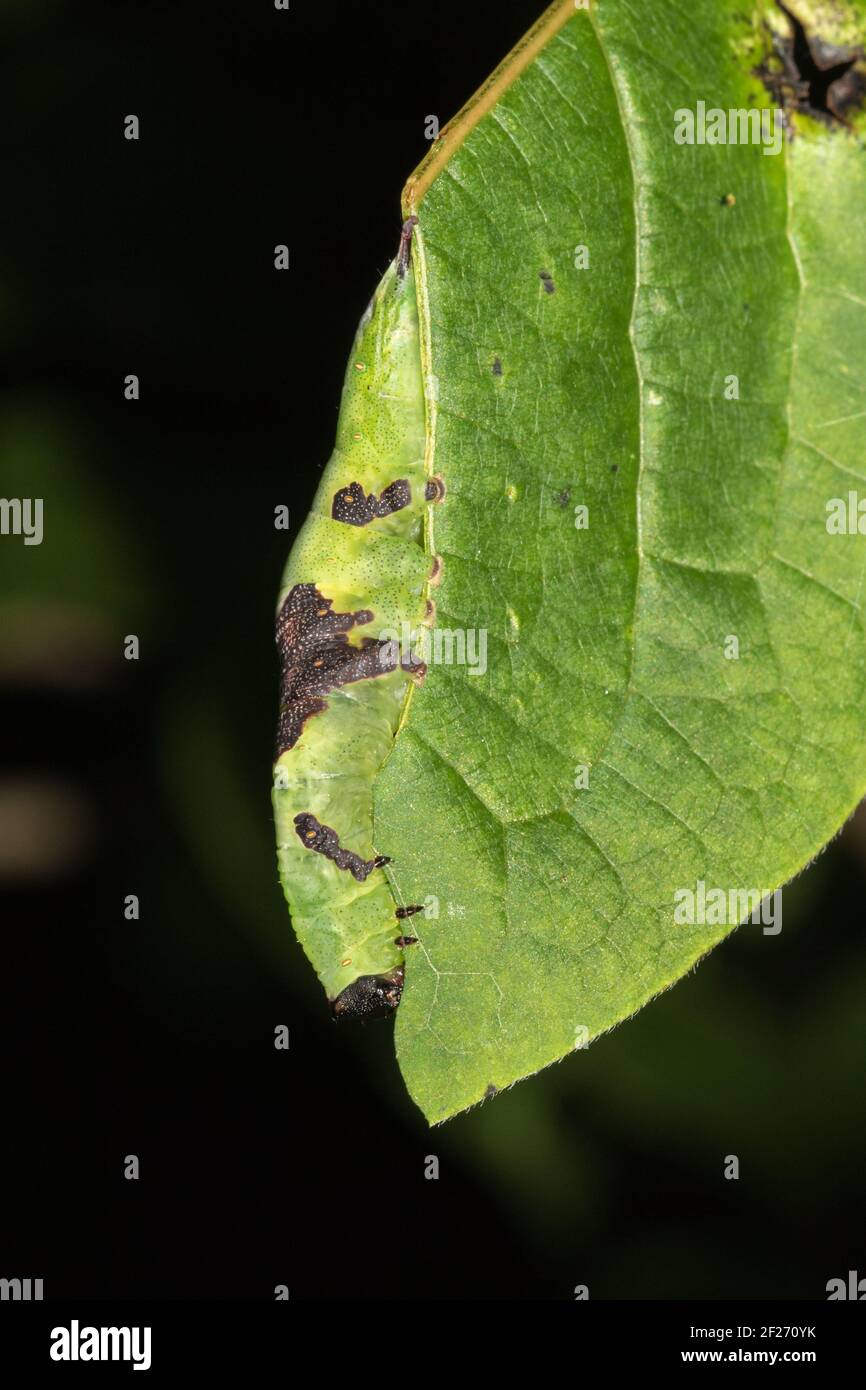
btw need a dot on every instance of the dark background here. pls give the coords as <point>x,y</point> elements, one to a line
<point>155,1037</point>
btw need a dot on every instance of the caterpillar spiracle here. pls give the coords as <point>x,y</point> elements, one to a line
<point>355,588</point>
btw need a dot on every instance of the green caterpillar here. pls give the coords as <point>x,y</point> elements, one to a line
<point>359,573</point>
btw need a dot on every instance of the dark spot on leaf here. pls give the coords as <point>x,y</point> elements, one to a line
<point>323,840</point>
<point>434,490</point>
<point>436,571</point>
<point>370,996</point>
<point>497,367</point>
<point>405,941</point>
<point>614,468</point>
<point>564,497</point>
<point>728,200</point>
<point>547,281</point>
<point>353,506</point>
<point>409,911</point>
<point>491,1091</point>
<point>817,77</point>
<point>316,657</point>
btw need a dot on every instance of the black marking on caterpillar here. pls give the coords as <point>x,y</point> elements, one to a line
<point>434,489</point>
<point>409,911</point>
<point>547,281</point>
<point>404,252</point>
<point>316,658</point>
<point>817,77</point>
<point>405,941</point>
<point>370,996</point>
<point>323,840</point>
<point>352,505</point>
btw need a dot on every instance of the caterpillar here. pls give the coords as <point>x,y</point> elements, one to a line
<point>358,574</point>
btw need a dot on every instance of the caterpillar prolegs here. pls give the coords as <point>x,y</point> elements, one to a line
<point>351,616</point>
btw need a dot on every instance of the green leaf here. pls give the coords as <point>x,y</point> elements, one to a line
<point>643,367</point>
<point>707,520</point>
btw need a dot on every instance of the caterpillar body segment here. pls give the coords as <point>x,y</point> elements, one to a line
<point>350,622</point>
